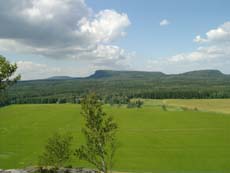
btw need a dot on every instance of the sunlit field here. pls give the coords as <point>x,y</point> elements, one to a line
<point>151,139</point>
<point>206,105</point>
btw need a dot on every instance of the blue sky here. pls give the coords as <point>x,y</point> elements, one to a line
<point>188,19</point>
<point>115,34</point>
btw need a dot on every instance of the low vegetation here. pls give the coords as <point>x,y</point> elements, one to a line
<point>135,104</point>
<point>57,151</point>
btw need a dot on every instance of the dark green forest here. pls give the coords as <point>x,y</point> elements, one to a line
<point>118,87</point>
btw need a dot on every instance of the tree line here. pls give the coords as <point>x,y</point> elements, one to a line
<point>117,98</point>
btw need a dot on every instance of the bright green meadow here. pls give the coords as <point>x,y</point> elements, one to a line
<point>151,139</point>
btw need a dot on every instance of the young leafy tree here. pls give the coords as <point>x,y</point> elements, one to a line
<point>57,150</point>
<point>6,72</point>
<point>100,134</point>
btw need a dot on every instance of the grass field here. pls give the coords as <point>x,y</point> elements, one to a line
<point>203,105</point>
<point>213,105</point>
<point>151,139</point>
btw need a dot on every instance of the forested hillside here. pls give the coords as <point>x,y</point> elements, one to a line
<point>120,86</point>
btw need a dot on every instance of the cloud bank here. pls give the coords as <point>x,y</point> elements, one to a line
<point>62,29</point>
<point>213,52</point>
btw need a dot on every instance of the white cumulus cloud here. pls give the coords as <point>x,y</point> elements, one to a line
<point>164,22</point>
<point>213,54</point>
<point>220,35</point>
<point>106,26</point>
<point>62,29</point>
<point>33,70</point>
<point>37,70</point>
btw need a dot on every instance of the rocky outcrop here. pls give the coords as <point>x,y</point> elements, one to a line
<point>47,170</point>
<point>13,171</point>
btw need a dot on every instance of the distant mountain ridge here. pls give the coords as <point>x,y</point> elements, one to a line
<point>106,74</point>
<point>124,74</point>
<point>112,74</point>
<point>204,73</point>
<point>59,78</point>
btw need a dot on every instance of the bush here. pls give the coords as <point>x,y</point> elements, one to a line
<point>164,107</point>
<point>135,104</point>
<point>57,151</point>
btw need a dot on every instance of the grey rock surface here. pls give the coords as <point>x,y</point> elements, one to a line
<point>61,170</point>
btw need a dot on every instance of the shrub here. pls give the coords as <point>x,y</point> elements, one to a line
<point>57,150</point>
